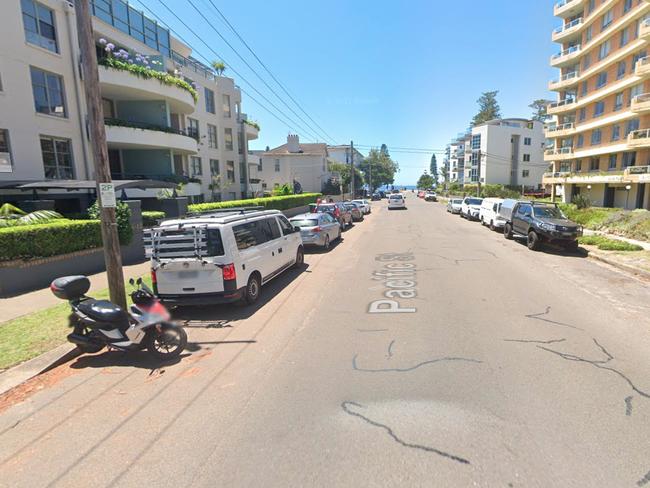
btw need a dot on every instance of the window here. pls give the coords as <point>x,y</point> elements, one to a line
<point>604,49</point>
<point>584,88</point>
<point>270,228</point>
<point>581,140</point>
<point>527,141</point>
<point>636,90</point>
<point>214,167</point>
<point>618,101</point>
<point>212,136</point>
<point>602,80</point>
<point>620,70</point>
<point>631,125</point>
<point>5,152</point>
<point>230,171</point>
<point>596,137</point>
<point>625,36</point>
<point>592,6</point>
<point>49,97</point>
<point>616,132</point>
<point>526,158</point>
<point>608,18</point>
<point>594,164</point>
<point>227,113</point>
<point>38,21</point>
<point>242,173</point>
<point>209,101</point>
<point>589,34</point>
<point>578,165</point>
<point>285,225</point>
<point>627,6</point>
<point>599,109</point>
<point>613,159</point>
<point>109,108</point>
<point>57,158</point>
<point>583,114</point>
<point>250,234</point>
<point>525,173</point>
<point>277,165</point>
<point>228,137</point>
<point>476,142</point>
<point>195,166</point>
<point>629,159</point>
<point>586,62</point>
<point>193,128</point>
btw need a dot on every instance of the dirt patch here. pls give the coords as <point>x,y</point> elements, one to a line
<point>25,390</point>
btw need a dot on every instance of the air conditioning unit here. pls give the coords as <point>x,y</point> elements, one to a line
<point>5,163</point>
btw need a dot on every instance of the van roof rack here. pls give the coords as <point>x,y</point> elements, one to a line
<point>219,211</point>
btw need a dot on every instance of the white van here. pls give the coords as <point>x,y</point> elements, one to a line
<point>489,213</point>
<point>222,257</point>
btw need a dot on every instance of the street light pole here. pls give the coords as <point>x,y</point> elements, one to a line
<point>627,195</point>
<point>351,170</point>
<point>110,236</point>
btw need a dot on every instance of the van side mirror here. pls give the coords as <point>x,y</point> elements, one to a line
<point>296,228</point>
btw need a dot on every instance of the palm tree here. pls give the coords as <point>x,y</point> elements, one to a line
<point>219,67</point>
<point>12,215</point>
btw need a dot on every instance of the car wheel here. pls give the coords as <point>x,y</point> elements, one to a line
<point>252,293</point>
<point>300,258</point>
<point>507,231</point>
<point>492,227</point>
<point>533,241</point>
<point>326,246</point>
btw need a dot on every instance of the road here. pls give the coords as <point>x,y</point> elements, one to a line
<point>504,368</point>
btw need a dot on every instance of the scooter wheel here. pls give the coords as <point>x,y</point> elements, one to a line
<point>166,342</point>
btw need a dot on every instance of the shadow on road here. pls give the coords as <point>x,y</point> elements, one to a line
<point>137,359</point>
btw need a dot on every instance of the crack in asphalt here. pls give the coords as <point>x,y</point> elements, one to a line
<point>412,368</point>
<point>628,406</point>
<point>390,349</point>
<point>373,330</point>
<point>524,341</point>
<point>538,316</point>
<point>346,408</point>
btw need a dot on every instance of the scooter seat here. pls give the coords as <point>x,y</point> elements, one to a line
<point>104,312</point>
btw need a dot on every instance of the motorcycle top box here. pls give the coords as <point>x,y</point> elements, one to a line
<point>70,287</point>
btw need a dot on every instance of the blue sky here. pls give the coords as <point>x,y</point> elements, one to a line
<point>375,72</point>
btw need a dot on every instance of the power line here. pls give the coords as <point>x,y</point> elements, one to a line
<point>250,67</point>
<point>309,137</point>
<point>267,69</point>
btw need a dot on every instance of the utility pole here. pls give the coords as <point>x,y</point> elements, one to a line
<point>351,170</point>
<point>110,237</point>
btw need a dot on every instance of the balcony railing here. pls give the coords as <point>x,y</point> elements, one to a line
<point>559,151</point>
<point>566,52</point>
<point>637,170</point>
<point>566,27</point>
<point>640,134</point>
<point>562,103</point>
<point>561,127</point>
<point>139,125</point>
<point>193,65</point>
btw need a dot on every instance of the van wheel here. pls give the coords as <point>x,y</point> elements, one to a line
<point>507,231</point>
<point>492,227</point>
<point>252,293</point>
<point>300,258</point>
<point>533,241</point>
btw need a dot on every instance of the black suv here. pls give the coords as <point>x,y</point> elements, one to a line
<point>542,223</point>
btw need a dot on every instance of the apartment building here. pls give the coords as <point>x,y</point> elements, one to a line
<point>457,159</point>
<point>600,135</point>
<point>343,154</point>
<point>168,117</point>
<point>506,152</point>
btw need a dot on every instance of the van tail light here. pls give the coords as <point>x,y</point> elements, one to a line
<point>154,281</point>
<point>229,273</point>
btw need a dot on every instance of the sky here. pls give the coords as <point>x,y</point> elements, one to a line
<point>376,72</point>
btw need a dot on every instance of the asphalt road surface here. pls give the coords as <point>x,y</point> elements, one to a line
<point>424,350</point>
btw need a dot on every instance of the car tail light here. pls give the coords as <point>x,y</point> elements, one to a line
<point>154,281</point>
<point>229,272</point>
<point>316,229</point>
<point>337,213</point>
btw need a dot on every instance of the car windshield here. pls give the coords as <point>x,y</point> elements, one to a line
<point>305,222</point>
<point>456,201</point>
<point>474,201</point>
<point>325,208</point>
<point>548,212</point>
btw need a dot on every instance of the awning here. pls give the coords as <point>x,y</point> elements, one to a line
<point>71,185</point>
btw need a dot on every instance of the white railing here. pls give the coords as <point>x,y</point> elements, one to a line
<point>637,170</point>
<point>562,103</point>
<point>645,97</point>
<point>559,151</point>
<point>566,52</point>
<point>560,127</point>
<point>566,77</point>
<point>640,134</point>
<point>568,26</point>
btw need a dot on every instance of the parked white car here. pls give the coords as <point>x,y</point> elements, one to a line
<point>489,214</point>
<point>454,205</point>
<point>471,207</point>
<point>364,205</point>
<point>396,200</point>
<point>222,257</point>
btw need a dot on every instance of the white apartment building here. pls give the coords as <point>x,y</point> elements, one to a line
<point>157,127</point>
<point>293,162</point>
<point>342,154</point>
<point>506,152</point>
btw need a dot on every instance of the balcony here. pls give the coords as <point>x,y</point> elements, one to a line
<point>642,66</point>
<point>568,8</point>
<point>567,30</point>
<point>561,106</point>
<point>639,138</point>
<point>558,154</point>
<point>563,58</point>
<point>560,130</point>
<point>252,128</point>
<point>121,134</point>
<point>644,29</point>
<point>637,174</point>
<point>565,81</point>
<point>124,85</point>
<point>640,103</point>
<point>553,178</point>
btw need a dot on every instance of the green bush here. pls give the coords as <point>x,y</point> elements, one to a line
<point>269,203</point>
<point>581,202</point>
<point>43,240</point>
<point>606,244</point>
<point>123,220</point>
<point>151,219</point>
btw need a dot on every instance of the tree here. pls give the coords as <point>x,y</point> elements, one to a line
<point>379,169</point>
<point>343,169</point>
<point>426,181</point>
<point>444,172</point>
<point>488,108</point>
<point>540,108</point>
<point>434,167</point>
<point>384,150</point>
<point>219,67</point>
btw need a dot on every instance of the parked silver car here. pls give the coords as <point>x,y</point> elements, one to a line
<point>454,205</point>
<point>317,229</point>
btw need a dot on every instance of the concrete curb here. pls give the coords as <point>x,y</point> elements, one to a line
<point>17,375</point>
<point>624,267</point>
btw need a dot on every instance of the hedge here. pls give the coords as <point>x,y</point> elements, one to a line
<point>151,218</point>
<point>269,203</point>
<point>44,240</point>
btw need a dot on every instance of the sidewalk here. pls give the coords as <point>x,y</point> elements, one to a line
<point>41,299</point>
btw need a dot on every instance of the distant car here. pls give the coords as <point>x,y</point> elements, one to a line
<point>394,192</point>
<point>454,205</point>
<point>355,209</point>
<point>375,197</point>
<point>396,200</point>
<point>421,193</point>
<point>337,210</point>
<point>317,229</point>
<point>489,213</point>
<point>430,196</point>
<point>471,208</point>
<point>365,206</point>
